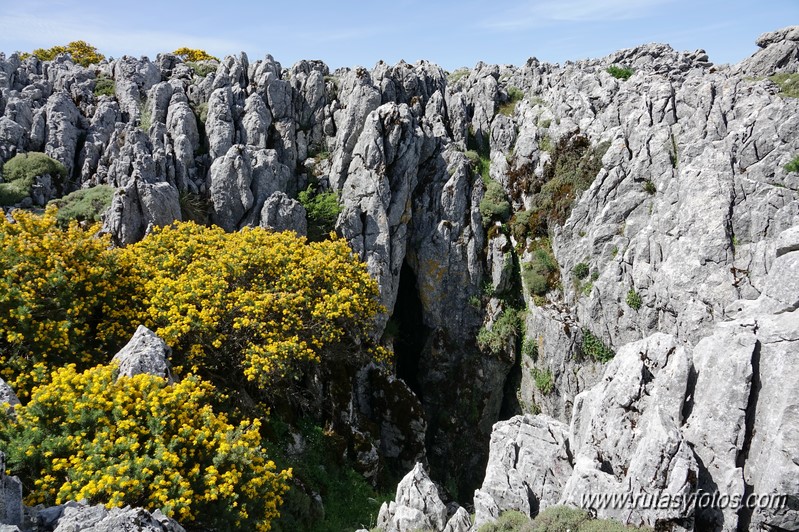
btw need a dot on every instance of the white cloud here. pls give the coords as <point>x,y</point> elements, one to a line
<point>537,13</point>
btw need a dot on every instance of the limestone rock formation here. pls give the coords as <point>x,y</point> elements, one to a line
<point>281,213</point>
<point>528,466</point>
<point>417,506</point>
<point>144,353</point>
<point>11,508</point>
<point>77,517</point>
<point>669,419</point>
<point>655,204</point>
<point>7,395</point>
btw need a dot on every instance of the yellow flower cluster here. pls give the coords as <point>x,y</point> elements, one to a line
<point>81,52</point>
<point>143,442</point>
<point>252,303</point>
<point>56,286</point>
<point>193,54</point>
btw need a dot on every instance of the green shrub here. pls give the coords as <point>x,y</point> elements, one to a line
<point>788,84</point>
<point>322,209</point>
<point>530,349</point>
<point>104,86</point>
<point>481,163</point>
<point>86,204</point>
<point>620,72</point>
<point>145,116</point>
<point>567,518</point>
<point>457,75</point>
<point>793,166</point>
<point>26,166</point>
<point>201,112</point>
<point>349,501</point>
<point>13,193</point>
<point>494,205</point>
<point>20,172</point>
<point>580,270</point>
<point>506,329</point>
<point>541,274</point>
<point>544,380</point>
<point>518,224</point>
<point>649,187</point>
<point>514,96</point>
<point>201,69</point>
<point>545,143</point>
<point>594,348</point>
<point>634,299</point>
<point>571,170</point>
<point>509,521</point>
<point>586,288</point>
<point>559,519</point>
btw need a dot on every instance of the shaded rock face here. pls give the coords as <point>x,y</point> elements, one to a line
<point>687,219</point>
<point>11,508</point>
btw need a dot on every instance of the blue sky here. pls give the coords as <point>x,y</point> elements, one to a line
<point>348,33</point>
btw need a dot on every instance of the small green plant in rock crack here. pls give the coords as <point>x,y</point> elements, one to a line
<point>618,72</point>
<point>634,299</point>
<point>581,270</point>
<point>594,348</point>
<point>544,380</point>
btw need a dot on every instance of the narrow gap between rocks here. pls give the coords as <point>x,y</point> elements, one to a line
<point>411,332</point>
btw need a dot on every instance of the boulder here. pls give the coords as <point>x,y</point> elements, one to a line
<point>144,353</point>
<point>779,53</point>
<point>417,506</point>
<point>7,395</point>
<point>281,213</point>
<point>528,466</point>
<point>78,517</point>
<point>11,508</point>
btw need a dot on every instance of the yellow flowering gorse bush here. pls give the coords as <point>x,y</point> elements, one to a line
<point>143,442</point>
<point>252,303</point>
<point>56,287</point>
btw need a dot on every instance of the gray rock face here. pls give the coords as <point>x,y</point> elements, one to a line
<point>359,98</point>
<point>133,80</point>
<point>240,183</point>
<point>7,395</point>
<point>528,465</point>
<point>144,353</point>
<point>625,432</point>
<point>281,213</point>
<point>63,127</point>
<point>417,506</point>
<point>11,508</point>
<point>772,458</point>
<point>668,420</point>
<point>139,206</point>
<point>78,517</point>
<point>779,53</point>
<point>376,196</point>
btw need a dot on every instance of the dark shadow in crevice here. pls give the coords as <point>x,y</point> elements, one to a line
<point>411,332</point>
